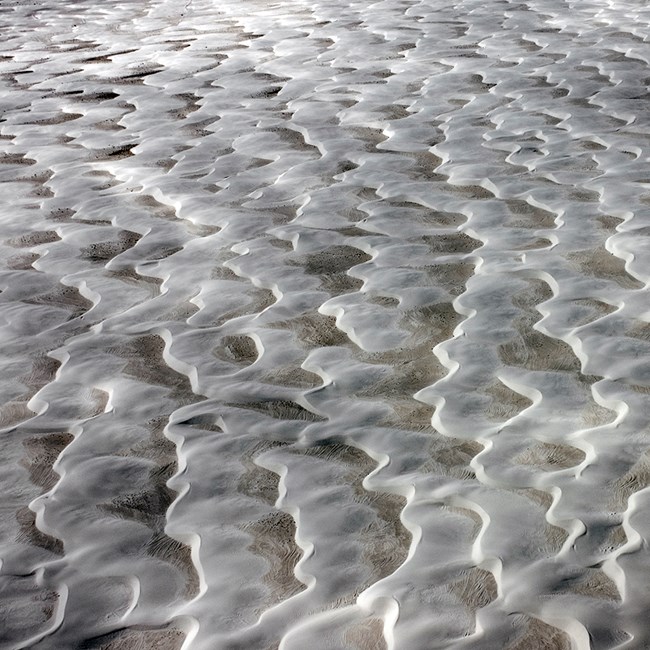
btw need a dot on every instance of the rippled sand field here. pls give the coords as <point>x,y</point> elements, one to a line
<point>325,324</point>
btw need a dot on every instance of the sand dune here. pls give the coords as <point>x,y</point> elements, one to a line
<point>324,325</point>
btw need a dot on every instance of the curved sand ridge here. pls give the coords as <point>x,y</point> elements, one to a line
<point>325,324</point>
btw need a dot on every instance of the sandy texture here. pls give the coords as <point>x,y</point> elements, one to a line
<point>324,325</point>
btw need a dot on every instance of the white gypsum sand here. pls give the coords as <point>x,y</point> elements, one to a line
<point>324,325</point>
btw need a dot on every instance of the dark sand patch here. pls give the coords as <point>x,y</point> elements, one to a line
<point>240,350</point>
<point>639,331</point>
<point>149,505</point>
<point>432,324</point>
<point>554,535</point>
<point>526,215</point>
<point>593,583</point>
<point>41,452</point>
<point>595,415</point>
<point>179,555</point>
<point>96,96</point>
<point>22,262</point>
<point>274,539</point>
<point>534,244</point>
<point>280,409</point>
<point>261,299</point>
<point>384,301</point>
<point>258,482</point>
<point>295,139</point>
<point>132,277</point>
<point>372,137</point>
<point>61,118</point>
<point>475,589</point>
<point>63,297</point>
<point>536,351</point>
<point>108,179</point>
<point>608,222</point>
<point>13,412</point>
<point>505,403</point>
<point>367,635</point>
<point>34,239</point>
<point>30,534</point>
<point>474,517</point>
<point>118,152</point>
<point>456,243</point>
<point>332,260</point>
<point>156,208</point>
<point>533,634</point>
<point>530,348</point>
<point>636,478</point>
<point>601,264</point>
<point>144,361</point>
<point>15,159</point>
<point>137,639</point>
<point>315,330</point>
<point>386,541</point>
<point>292,375</point>
<point>452,277</point>
<point>593,309</point>
<point>549,456</point>
<point>107,250</point>
<point>476,192</point>
<point>452,457</point>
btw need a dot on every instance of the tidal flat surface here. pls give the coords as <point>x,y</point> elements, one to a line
<point>324,325</point>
